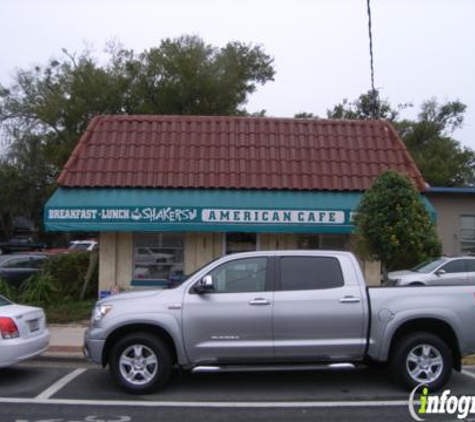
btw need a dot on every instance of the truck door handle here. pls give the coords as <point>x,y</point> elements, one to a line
<point>259,301</point>
<point>349,299</point>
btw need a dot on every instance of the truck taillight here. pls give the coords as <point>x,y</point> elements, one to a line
<point>8,328</point>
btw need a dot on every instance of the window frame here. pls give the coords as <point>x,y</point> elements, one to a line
<point>269,285</point>
<point>278,273</point>
<point>159,236</point>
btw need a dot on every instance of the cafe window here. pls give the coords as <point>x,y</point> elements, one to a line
<point>467,235</point>
<point>240,242</point>
<point>159,256</point>
<point>336,242</point>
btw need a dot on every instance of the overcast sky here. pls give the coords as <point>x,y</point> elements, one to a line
<point>423,48</point>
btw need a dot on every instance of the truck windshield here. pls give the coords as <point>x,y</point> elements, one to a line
<point>428,266</point>
<point>4,301</point>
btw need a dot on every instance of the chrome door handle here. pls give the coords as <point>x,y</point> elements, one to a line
<point>349,299</point>
<point>259,301</point>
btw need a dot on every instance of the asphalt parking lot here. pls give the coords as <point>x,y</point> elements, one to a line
<point>306,395</point>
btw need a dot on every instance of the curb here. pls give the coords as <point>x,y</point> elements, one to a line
<point>55,357</point>
<point>63,353</point>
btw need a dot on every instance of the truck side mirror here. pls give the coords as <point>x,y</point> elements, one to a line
<point>204,285</point>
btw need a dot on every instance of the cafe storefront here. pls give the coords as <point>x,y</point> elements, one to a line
<point>158,225</point>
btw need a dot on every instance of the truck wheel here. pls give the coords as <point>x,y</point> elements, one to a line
<point>422,358</point>
<point>140,363</point>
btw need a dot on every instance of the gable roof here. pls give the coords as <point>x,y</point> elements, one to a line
<point>210,152</point>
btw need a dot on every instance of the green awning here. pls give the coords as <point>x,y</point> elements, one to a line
<point>80,209</point>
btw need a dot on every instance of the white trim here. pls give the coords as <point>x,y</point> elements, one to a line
<point>215,404</point>
<point>58,385</point>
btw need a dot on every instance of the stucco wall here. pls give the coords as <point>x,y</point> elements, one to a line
<point>270,241</point>
<point>201,248</point>
<point>450,207</point>
<point>115,260</point>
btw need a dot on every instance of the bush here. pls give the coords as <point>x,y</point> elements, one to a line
<point>39,289</point>
<point>393,226</point>
<point>60,280</point>
<point>68,272</point>
<point>8,291</point>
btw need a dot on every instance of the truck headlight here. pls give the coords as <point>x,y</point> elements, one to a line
<point>100,311</point>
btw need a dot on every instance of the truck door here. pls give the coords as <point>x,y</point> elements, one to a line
<point>233,322</point>
<point>317,315</point>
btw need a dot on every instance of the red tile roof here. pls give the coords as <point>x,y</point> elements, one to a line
<point>236,153</point>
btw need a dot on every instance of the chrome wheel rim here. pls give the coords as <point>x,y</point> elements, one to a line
<point>424,363</point>
<point>138,364</point>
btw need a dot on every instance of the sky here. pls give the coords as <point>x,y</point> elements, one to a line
<point>422,48</point>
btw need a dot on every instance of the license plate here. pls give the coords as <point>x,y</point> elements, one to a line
<point>34,325</point>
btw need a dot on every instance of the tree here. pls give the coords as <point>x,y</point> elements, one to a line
<point>180,76</point>
<point>393,226</point>
<point>25,181</point>
<point>440,158</point>
<point>368,106</point>
<point>48,107</point>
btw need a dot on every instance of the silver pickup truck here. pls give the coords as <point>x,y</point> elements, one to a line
<point>280,309</point>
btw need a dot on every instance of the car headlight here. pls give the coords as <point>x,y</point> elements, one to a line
<point>100,311</point>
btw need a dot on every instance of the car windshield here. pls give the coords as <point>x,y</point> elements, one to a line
<point>428,266</point>
<point>4,301</point>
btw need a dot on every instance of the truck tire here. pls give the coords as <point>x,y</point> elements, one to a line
<point>421,358</point>
<point>140,363</point>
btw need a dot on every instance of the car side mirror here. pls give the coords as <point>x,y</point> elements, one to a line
<point>440,272</point>
<point>204,285</point>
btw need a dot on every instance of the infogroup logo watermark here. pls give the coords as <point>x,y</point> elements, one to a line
<point>439,404</point>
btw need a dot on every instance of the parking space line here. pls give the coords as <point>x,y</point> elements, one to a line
<point>58,385</point>
<point>217,404</point>
<point>468,374</point>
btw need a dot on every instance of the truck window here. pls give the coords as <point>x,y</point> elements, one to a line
<point>241,275</point>
<point>310,273</point>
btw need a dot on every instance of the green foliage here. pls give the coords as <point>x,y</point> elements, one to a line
<point>8,291</point>
<point>368,106</point>
<point>305,115</point>
<point>39,289</point>
<point>440,158</point>
<point>69,311</point>
<point>60,279</point>
<point>393,226</point>
<point>180,76</point>
<point>67,272</point>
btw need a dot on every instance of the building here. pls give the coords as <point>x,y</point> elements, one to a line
<point>455,209</point>
<point>170,193</point>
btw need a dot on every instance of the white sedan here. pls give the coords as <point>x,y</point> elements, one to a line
<point>23,332</point>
